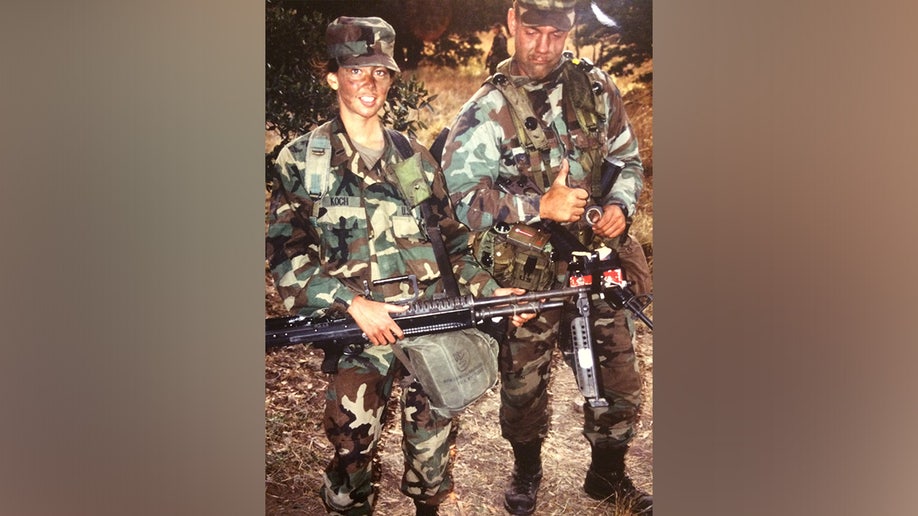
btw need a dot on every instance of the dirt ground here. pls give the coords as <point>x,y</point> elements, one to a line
<point>296,450</point>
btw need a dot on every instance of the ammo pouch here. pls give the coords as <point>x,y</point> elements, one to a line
<point>455,368</point>
<point>520,257</point>
<point>411,181</point>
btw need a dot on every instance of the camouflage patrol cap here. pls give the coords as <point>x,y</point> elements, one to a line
<point>549,13</point>
<point>361,42</point>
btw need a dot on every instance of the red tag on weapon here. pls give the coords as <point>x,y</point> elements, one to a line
<point>580,280</point>
<point>613,277</point>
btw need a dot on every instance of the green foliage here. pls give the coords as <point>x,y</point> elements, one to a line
<point>297,97</point>
<point>624,47</point>
<point>406,98</point>
<point>457,46</point>
<point>450,50</point>
<point>481,15</point>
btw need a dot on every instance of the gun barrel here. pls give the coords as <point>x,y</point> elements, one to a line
<point>519,308</point>
<point>565,292</point>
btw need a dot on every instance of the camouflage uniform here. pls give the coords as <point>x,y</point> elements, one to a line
<point>321,250</point>
<point>484,145</point>
<point>320,253</point>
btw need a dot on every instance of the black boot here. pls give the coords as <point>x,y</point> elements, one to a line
<point>425,510</point>
<point>520,497</point>
<point>606,480</point>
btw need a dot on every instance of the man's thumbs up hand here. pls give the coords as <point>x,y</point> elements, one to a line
<point>561,202</point>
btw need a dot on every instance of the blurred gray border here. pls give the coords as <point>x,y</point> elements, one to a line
<point>132,215</point>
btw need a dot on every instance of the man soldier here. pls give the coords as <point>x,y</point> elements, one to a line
<point>340,219</point>
<point>550,120</point>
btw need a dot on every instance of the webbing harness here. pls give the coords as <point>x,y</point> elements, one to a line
<point>580,111</point>
<point>316,182</point>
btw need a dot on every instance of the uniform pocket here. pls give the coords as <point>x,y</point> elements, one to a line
<point>406,227</point>
<point>343,231</point>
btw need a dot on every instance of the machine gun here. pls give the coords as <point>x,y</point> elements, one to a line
<point>584,266</point>
<point>341,335</point>
<point>337,336</point>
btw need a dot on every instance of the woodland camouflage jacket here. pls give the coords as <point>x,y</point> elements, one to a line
<point>321,251</point>
<point>483,144</point>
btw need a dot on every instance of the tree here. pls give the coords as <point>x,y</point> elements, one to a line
<point>459,42</point>
<point>625,46</point>
<point>425,29</point>
<point>296,98</point>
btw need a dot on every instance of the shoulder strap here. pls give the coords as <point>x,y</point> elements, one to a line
<point>528,129</point>
<point>318,162</point>
<point>581,91</point>
<point>401,143</point>
<point>433,228</point>
<point>579,100</point>
<point>520,106</point>
<point>403,358</point>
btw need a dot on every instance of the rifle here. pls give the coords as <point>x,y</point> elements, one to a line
<point>337,336</point>
<point>341,336</point>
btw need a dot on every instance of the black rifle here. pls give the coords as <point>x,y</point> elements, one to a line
<point>341,335</point>
<point>590,274</point>
<point>337,336</point>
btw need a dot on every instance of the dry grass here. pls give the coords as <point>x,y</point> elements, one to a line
<point>295,447</point>
<point>296,450</point>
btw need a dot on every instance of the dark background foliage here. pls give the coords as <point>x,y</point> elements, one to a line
<point>441,33</point>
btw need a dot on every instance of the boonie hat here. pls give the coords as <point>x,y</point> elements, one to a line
<point>361,42</point>
<point>549,13</point>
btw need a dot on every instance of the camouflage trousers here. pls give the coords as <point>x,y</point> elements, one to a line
<point>355,411</point>
<point>525,363</point>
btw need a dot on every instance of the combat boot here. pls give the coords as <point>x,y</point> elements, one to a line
<point>422,509</point>
<point>606,480</point>
<point>520,497</point>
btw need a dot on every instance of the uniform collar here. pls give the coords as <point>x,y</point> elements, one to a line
<point>525,81</point>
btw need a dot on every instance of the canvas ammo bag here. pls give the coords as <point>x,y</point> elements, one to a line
<point>455,368</point>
